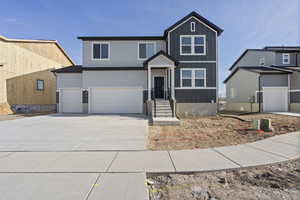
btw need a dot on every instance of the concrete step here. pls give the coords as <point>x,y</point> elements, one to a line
<point>165,121</point>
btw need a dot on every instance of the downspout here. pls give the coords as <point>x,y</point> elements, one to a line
<point>259,94</point>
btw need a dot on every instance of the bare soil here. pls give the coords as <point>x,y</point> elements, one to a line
<point>21,115</point>
<point>273,182</point>
<point>215,131</point>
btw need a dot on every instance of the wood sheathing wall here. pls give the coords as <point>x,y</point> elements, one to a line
<point>21,64</point>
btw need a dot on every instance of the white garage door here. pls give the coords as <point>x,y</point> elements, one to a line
<point>275,99</point>
<point>116,100</point>
<point>70,100</point>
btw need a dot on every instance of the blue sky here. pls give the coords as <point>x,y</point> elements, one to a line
<point>246,24</point>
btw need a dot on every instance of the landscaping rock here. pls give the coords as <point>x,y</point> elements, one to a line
<point>200,194</point>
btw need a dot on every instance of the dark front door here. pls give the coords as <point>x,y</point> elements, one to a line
<point>159,87</point>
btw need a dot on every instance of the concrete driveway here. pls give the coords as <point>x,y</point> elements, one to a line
<point>58,132</point>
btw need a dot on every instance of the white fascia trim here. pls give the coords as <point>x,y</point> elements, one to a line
<point>275,87</point>
<point>193,45</point>
<point>104,59</point>
<point>188,20</point>
<point>198,61</point>
<point>200,88</point>
<point>294,90</point>
<point>145,42</point>
<point>160,65</point>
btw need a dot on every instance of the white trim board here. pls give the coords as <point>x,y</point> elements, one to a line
<point>188,20</point>
<point>197,61</point>
<point>197,88</point>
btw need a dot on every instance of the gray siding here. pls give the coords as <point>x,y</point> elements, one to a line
<point>195,95</point>
<point>251,58</point>
<point>295,81</point>
<point>185,29</point>
<point>244,85</point>
<point>274,80</point>
<point>278,59</point>
<point>295,97</point>
<point>114,79</point>
<point>121,54</point>
<point>70,80</point>
<point>210,72</point>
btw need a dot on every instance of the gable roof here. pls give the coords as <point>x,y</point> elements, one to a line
<point>158,54</point>
<point>69,69</point>
<point>260,70</point>
<point>197,16</point>
<point>39,41</point>
<point>241,56</point>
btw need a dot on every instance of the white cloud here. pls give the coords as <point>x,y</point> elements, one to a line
<point>10,20</point>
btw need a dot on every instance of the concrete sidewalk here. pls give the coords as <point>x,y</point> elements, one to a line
<point>121,174</point>
<point>268,151</point>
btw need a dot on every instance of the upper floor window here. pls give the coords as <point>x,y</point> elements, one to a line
<point>193,26</point>
<point>101,51</point>
<point>146,50</point>
<point>40,85</point>
<point>262,61</point>
<point>192,45</point>
<point>193,78</point>
<point>285,58</point>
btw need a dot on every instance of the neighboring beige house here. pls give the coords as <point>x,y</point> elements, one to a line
<point>26,81</point>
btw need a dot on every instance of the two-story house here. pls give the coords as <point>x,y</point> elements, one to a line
<point>265,80</point>
<point>177,71</point>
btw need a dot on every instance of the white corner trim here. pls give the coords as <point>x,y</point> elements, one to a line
<point>104,59</point>
<point>145,42</point>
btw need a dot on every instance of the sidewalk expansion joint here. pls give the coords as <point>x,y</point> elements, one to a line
<point>226,157</point>
<point>92,188</point>
<point>293,145</point>
<point>172,161</point>
<point>110,164</point>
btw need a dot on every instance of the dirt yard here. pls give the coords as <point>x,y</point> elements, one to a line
<point>215,131</point>
<point>20,116</point>
<point>274,182</point>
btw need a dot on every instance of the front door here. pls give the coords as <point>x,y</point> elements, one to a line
<point>159,87</point>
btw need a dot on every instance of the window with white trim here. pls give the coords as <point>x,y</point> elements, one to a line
<point>193,78</point>
<point>192,45</point>
<point>146,50</point>
<point>193,26</point>
<point>262,61</point>
<point>285,58</point>
<point>40,85</point>
<point>100,51</point>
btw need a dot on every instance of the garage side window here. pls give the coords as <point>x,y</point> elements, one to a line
<point>100,51</point>
<point>40,85</point>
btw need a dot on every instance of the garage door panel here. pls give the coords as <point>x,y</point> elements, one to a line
<point>275,99</point>
<point>70,100</point>
<point>116,100</point>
